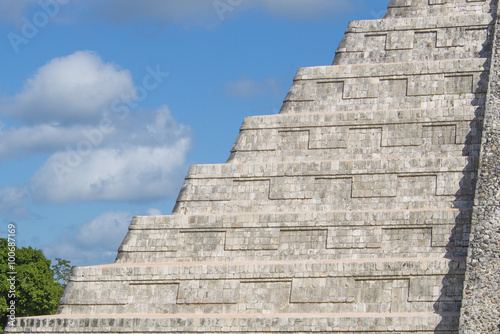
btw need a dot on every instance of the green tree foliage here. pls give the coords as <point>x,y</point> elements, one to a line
<point>62,271</point>
<point>37,289</point>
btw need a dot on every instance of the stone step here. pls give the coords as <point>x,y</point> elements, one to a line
<point>444,8</point>
<point>472,21</point>
<point>364,117</point>
<point>445,173</point>
<point>299,104</point>
<point>339,168</point>
<point>328,185</point>
<point>391,86</point>
<point>353,143</point>
<point>354,323</point>
<point>293,286</point>
<point>302,219</point>
<point>339,235</point>
<point>343,201</point>
<point>365,133</point>
<point>365,151</point>
<point>412,39</point>
<point>420,71</point>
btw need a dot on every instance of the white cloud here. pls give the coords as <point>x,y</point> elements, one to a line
<point>73,89</point>
<point>154,212</point>
<point>203,12</point>
<point>13,9</point>
<point>106,231</point>
<point>308,10</point>
<point>147,128</point>
<point>16,142</point>
<point>248,88</point>
<point>95,242</point>
<point>14,203</point>
<point>143,159</point>
<point>94,153</point>
<point>193,12</point>
<point>130,173</point>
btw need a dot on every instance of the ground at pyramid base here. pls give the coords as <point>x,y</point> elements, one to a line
<point>367,205</point>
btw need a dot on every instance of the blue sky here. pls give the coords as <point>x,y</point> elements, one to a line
<point>104,104</point>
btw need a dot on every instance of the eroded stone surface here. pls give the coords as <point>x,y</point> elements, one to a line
<point>481,309</point>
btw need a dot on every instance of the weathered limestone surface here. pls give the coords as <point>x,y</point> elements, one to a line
<point>481,309</point>
<point>349,212</point>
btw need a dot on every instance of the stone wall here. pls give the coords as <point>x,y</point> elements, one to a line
<point>481,307</point>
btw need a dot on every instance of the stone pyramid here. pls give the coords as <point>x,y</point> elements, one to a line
<point>348,212</point>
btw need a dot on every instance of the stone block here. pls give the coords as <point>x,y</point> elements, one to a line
<point>323,290</point>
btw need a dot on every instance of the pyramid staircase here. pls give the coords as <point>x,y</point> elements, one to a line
<point>349,212</point>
